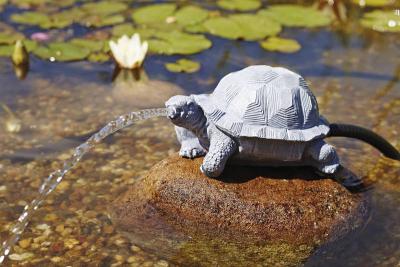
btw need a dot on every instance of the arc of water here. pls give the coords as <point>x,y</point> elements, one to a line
<point>51,182</point>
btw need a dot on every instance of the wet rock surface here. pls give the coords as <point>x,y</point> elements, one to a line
<point>284,207</point>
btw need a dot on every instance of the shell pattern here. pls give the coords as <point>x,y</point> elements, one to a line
<point>265,102</point>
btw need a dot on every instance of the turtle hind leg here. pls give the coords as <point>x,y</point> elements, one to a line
<point>324,158</point>
<point>221,148</point>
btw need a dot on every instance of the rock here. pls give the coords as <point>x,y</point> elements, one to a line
<point>268,210</point>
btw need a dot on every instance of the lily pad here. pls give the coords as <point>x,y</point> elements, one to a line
<point>197,28</point>
<point>183,65</point>
<point>129,29</point>
<point>373,3</point>
<point>242,26</point>
<point>178,43</point>
<point>30,18</point>
<point>98,57</point>
<point>296,16</point>
<point>241,5</point>
<point>7,50</point>
<point>190,15</point>
<point>101,20</point>
<point>62,52</point>
<point>382,21</point>
<point>10,37</point>
<point>281,45</point>
<point>92,45</point>
<point>104,7</point>
<point>153,13</point>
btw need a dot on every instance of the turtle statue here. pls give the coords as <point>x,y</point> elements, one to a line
<point>265,116</point>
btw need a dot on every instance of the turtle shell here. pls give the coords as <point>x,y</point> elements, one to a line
<point>265,102</point>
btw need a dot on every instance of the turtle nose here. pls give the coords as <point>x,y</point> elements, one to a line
<point>172,113</point>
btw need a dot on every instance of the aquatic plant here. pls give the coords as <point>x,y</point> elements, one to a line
<point>129,53</point>
<point>20,55</point>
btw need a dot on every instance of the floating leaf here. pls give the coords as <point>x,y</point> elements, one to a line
<point>62,52</point>
<point>178,43</point>
<point>190,15</point>
<point>42,3</point>
<point>126,28</point>
<point>129,29</point>
<point>6,50</point>
<point>183,65</point>
<point>374,3</point>
<point>92,45</point>
<point>382,21</point>
<point>242,26</point>
<point>30,45</point>
<point>197,28</point>
<point>104,7</point>
<point>101,20</point>
<point>98,57</point>
<point>30,18</point>
<point>223,27</point>
<point>280,45</point>
<point>241,5</point>
<point>153,13</point>
<point>10,37</point>
<point>293,15</point>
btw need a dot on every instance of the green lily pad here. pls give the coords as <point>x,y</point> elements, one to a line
<point>42,3</point>
<point>190,15</point>
<point>178,43</point>
<point>62,52</point>
<point>92,45</point>
<point>98,57</point>
<point>126,28</point>
<point>57,20</point>
<point>30,45</point>
<point>183,65</point>
<point>281,45</point>
<point>10,37</point>
<point>197,28</point>
<point>241,5</point>
<point>153,13</point>
<point>374,3</point>
<point>101,20</point>
<point>296,16</point>
<point>104,7</point>
<point>6,50</point>
<point>129,29</point>
<point>30,18</point>
<point>382,21</point>
<point>242,26</point>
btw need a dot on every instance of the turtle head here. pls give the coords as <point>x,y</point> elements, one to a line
<point>183,111</point>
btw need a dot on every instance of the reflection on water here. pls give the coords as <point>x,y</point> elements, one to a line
<point>355,75</point>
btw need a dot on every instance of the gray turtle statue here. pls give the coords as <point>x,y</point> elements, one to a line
<point>265,116</point>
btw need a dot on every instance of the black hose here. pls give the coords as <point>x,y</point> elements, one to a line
<point>368,136</point>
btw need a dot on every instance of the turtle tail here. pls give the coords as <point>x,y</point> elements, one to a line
<point>368,136</point>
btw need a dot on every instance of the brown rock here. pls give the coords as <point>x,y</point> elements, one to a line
<point>246,205</point>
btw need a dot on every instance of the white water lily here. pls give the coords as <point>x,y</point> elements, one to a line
<point>129,52</point>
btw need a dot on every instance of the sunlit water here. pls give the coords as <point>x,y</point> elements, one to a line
<point>51,182</point>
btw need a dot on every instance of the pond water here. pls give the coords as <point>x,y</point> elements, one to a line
<point>353,71</point>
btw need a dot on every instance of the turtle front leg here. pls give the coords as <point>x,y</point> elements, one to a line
<point>221,148</point>
<point>190,146</point>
